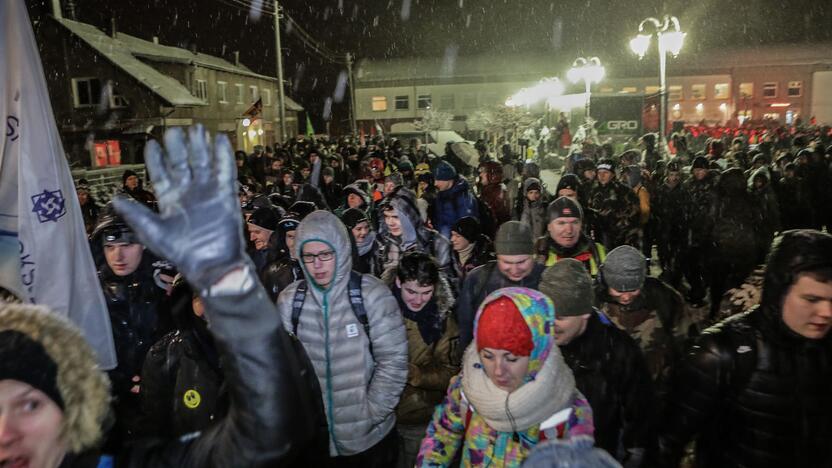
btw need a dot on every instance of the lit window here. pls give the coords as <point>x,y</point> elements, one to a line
<point>697,91</point>
<point>607,89</point>
<point>221,92</point>
<point>86,91</point>
<point>379,103</point>
<point>446,102</point>
<point>795,88</point>
<point>424,101</point>
<point>675,93</point>
<point>267,97</point>
<point>201,89</point>
<point>402,102</point>
<point>651,90</point>
<point>252,93</point>
<point>771,116</point>
<point>629,89</point>
<point>770,91</point>
<point>722,91</point>
<point>700,108</point>
<point>240,93</point>
<point>747,91</point>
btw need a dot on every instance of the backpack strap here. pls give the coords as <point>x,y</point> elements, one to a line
<point>357,304</point>
<point>297,304</point>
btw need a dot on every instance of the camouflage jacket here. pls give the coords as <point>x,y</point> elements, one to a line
<point>618,216</point>
<point>655,320</point>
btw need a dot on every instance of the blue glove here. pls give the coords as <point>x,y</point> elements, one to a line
<point>198,227</point>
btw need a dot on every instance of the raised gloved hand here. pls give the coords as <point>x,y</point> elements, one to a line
<point>198,227</point>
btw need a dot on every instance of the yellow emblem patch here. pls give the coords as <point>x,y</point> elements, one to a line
<point>191,398</point>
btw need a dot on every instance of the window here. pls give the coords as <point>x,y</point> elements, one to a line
<point>722,91</point>
<point>424,101</point>
<point>771,116</point>
<point>267,97</point>
<point>402,102</point>
<point>446,102</point>
<point>469,101</point>
<point>201,89</point>
<point>697,91</point>
<point>651,90</point>
<point>795,88</point>
<point>607,89</point>
<point>86,91</point>
<point>222,95</point>
<point>240,95</point>
<point>744,115</point>
<point>379,103</point>
<point>629,89</point>
<point>252,93</point>
<point>770,90</point>
<point>675,93</point>
<point>116,100</point>
<point>746,90</point>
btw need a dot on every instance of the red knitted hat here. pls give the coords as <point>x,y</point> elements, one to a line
<point>501,326</point>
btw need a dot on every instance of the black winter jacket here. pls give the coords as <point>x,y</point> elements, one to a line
<point>752,392</point>
<point>275,416</point>
<point>611,372</point>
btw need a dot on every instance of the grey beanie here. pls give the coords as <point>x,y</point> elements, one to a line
<point>569,286</point>
<point>624,269</point>
<point>514,238</point>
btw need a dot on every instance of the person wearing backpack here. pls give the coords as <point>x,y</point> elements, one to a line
<point>514,391</point>
<point>647,309</point>
<point>753,390</point>
<point>352,329</point>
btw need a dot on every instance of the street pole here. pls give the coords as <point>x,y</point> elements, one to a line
<point>281,96</point>
<point>662,92</point>
<point>587,83</point>
<point>353,123</point>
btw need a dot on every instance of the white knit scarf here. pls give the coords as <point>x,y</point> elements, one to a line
<point>552,390</point>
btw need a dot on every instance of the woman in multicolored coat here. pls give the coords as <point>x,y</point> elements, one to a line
<point>513,392</point>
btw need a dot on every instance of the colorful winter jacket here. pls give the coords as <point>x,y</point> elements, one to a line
<point>546,406</point>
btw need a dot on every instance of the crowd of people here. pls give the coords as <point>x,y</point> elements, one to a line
<point>340,304</point>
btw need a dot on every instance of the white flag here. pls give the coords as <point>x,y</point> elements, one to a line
<point>44,254</point>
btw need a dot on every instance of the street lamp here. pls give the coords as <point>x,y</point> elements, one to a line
<point>590,71</point>
<point>670,39</point>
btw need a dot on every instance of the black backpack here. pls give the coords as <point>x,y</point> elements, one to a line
<point>356,301</point>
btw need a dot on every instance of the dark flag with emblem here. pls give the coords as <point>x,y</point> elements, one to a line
<point>44,254</point>
<point>255,110</point>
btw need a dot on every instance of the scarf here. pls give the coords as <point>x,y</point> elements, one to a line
<point>550,391</point>
<point>428,319</point>
<point>465,253</point>
<point>367,244</point>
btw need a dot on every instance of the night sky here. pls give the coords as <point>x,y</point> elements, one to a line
<point>402,28</point>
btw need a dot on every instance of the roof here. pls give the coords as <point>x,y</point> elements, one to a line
<point>120,55</point>
<point>516,67</point>
<point>165,53</point>
<point>125,51</point>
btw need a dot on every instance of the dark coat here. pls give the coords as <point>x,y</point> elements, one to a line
<point>611,372</point>
<point>452,204</point>
<point>483,253</point>
<point>480,283</point>
<point>752,392</point>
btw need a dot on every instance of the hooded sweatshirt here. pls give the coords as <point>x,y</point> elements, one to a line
<point>496,428</point>
<point>360,389</point>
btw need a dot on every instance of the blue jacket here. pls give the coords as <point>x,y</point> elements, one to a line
<point>453,204</point>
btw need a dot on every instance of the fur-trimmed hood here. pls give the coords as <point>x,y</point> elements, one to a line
<point>444,295</point>
<point>84,388</point>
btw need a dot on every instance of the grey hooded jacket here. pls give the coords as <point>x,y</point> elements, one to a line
<point>415,235</point>
<point>360,389</point>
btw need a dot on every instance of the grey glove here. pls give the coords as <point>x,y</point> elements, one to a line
<point>198,227</point>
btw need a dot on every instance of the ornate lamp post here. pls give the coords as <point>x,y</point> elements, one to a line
<point>590,71</point>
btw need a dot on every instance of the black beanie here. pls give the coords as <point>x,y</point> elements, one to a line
<point>265,218</point>
<point>699,162</point>
<point>127,173</point>
<point>570,181</point>
<point>606,164</point>
<point>564,207</point>
<point>467,227</point>
<point>352,217</point>
<point>25,360</point>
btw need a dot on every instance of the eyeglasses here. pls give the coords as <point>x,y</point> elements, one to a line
<point>323,256</point>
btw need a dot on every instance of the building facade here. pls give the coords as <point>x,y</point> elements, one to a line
<point>111,92</point>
